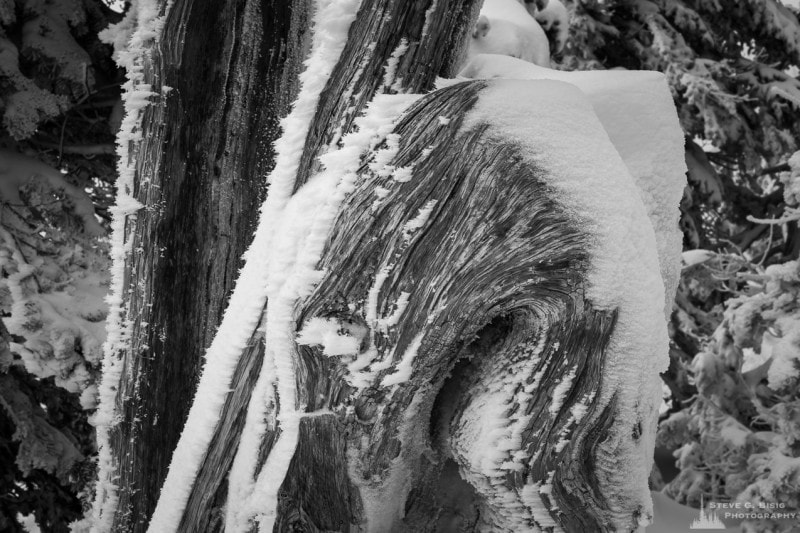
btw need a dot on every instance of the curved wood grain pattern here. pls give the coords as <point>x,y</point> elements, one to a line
<point>499,268</point>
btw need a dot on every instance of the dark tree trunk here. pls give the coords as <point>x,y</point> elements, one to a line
<point>231,69</point>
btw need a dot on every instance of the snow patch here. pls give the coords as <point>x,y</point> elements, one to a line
<point>402,372</point>
<point>334,338</point>
<point>696,257</point>
<point>390,69</point>
<point>403,174</point>
<point>419,221</point>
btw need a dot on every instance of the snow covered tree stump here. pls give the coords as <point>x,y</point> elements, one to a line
<point>452,319</point>
<point>451,315</point>
<point>474,344</point>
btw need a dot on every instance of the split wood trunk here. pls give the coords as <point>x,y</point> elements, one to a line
<point>496,284</point>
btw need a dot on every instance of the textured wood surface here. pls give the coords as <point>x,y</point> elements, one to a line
<point>500,267</point>
<point>384,23</point>
<point>224,73</point>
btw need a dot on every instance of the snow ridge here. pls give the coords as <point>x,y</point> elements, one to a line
<point>390,82</point>
<point>136,97</point>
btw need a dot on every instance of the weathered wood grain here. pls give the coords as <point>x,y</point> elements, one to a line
<point>500,267</point>
<point>428,56</point>
<point>231,69</point>
<point>434,33</point>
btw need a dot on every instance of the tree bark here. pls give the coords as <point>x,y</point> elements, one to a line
<point>495,312</point>
<point>225,74</point>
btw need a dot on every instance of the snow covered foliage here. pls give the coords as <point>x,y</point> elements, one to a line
<point>54,281</point>
<point>791,192</point>
<point>553,17</point>
<point>47,52</point>
<point>731,65</point>
<point>738,440</point>
<point>55,273</point>
<point>46,451</point>
<point>56,170</point>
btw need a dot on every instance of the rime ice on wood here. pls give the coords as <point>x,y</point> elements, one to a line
<point>136,95</point>
<point>334,338</point>
<point>255,283</point>
<point>408,332</point>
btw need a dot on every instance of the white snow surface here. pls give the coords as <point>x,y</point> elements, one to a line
<point>335,338</point>
<point>564,136</point>
<point>511,32</point>
<point>636,110</point>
